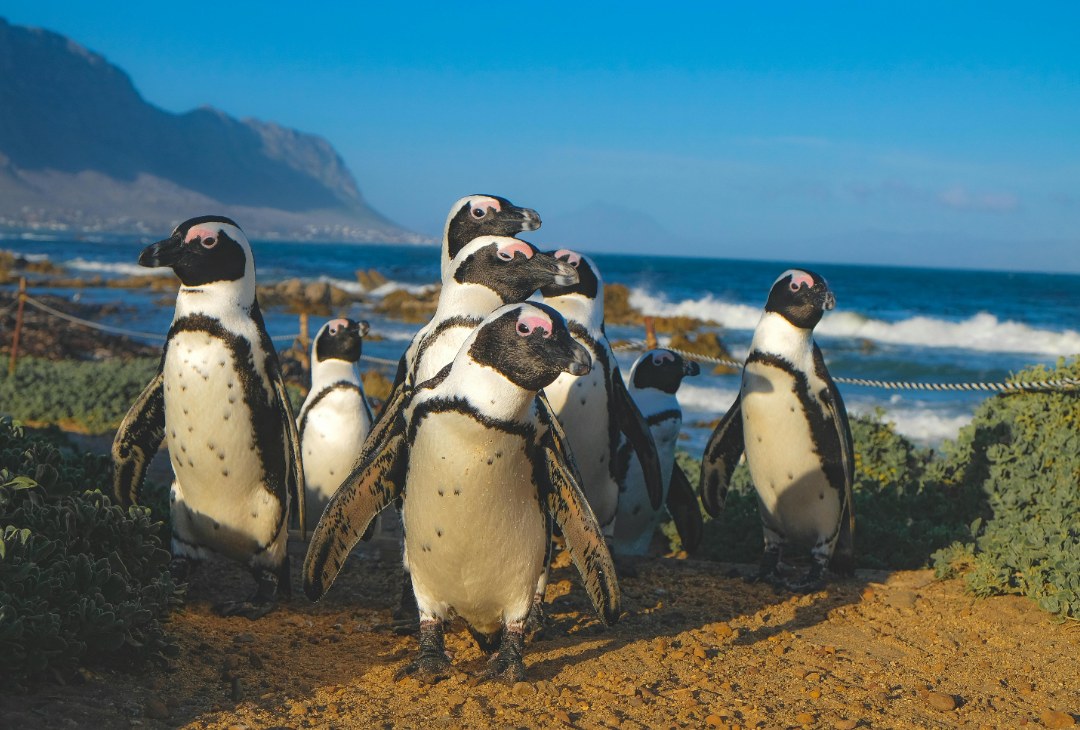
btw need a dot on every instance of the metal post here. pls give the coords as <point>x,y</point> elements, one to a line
<point>18,326</point>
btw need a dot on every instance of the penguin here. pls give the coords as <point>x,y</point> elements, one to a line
<point>595,409</point>
<point>653,381</point>
<point>335,417</point>
<point>482,215</point>
<point>219,403</point>
<point>486,273</point>
<point>484,472</point>
<point>790,421</point>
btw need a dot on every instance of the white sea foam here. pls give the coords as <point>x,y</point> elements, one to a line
<point>983,332</point>
<point>116,268</point>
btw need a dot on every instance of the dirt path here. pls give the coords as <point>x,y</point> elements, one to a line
<point>695,648</point>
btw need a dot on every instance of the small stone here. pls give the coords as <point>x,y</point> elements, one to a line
<point>244,638</point>
<point>545,687</point>
<point>813,677</point>
<point>805,718</point>
<point>455,700</point>
<point>1056,719</point>
<point>714,721</point>
<point>814,694</point>
<point>940,701</point>
<point>156,709</point>
<point>845,724</point>
<point>868,594</point>
<point>255,660</point>
<point>562,717</point>
<point>523,689</point>
<point>723,631</point>
<point>699,652</point>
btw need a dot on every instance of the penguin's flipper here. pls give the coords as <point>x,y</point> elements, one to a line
<point>375,482</point>
<point>720,459</point>
<point>636,429</point>
<point>682,503</point>
<point>561,491</point>
<point>137,440</point>
<point>843,554</point>
<point>294,469</point>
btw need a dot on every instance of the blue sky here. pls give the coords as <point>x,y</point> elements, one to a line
<point>909,133</point>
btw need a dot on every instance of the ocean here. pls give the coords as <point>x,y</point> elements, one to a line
<point>890,323</point>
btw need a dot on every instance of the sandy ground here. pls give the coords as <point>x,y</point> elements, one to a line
<point>695,647</point>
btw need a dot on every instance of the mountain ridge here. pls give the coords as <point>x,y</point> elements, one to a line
<point>82,152</point>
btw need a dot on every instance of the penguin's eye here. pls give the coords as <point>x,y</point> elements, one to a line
<point>479,213</point>
<point>505,255</point>
<point>658,361</point>
<point>333,331</point>
<point>209,242</point>
<point>794,286</point>
<point>573,263</point>
<point>523,329</point>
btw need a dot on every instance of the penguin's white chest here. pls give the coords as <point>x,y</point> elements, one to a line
<point>581,403</point>
<point>475,533</point>
<point>783,457</point>
<point>334,432</point>
<point>208,428</point>
<point>636,519</point>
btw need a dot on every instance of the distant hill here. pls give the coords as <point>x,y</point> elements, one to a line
<point>82,152</point>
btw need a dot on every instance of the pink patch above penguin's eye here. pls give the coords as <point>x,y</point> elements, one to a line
<point>197,233</point>
<point>798,278</point>
<point>508,251</point>
<point>480,207</point>
<point>527,325</point>
<point>572,258</point>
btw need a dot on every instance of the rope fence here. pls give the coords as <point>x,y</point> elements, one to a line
<point>636,345</point>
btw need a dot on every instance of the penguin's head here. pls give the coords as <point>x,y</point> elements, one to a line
<point>485,215</point>
<point>510,267</point>
<point>340,339</point>
<point>203,250</point>
<point>663,370</point>
<point>529,344</point>
<point>800,297</point>
<point>588,286</point>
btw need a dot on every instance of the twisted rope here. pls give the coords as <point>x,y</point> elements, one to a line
<point>1031,385</point>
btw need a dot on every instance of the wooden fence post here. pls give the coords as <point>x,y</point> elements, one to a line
<point>650,333</point>
<point>18,326</point>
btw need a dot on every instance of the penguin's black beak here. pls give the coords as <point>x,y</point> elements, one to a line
<point>528,218</point>
<point>828,300</point>
<point>690,367</point>
<point>561,273</point>
<point>162,253</point>
<point>580,362</point>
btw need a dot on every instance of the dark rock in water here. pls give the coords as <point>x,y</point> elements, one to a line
<point>408,307</point>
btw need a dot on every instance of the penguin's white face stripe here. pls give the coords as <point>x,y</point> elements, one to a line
<point>661,356</point>
<point>508,250</point>
<point>529,323</point>
<point>571,257</point>
<point>479,206</point>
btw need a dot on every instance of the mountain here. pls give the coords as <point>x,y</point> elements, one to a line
<point>81,151</point>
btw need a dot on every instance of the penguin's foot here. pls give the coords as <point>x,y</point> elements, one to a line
<point>432,665</point>
<point>261,602</point>
<point>625,566</point>
<point>811,582</point>
<point>507,665</point>
<point>180,568</point>
<point>768,569</point>
<point>536,623</point>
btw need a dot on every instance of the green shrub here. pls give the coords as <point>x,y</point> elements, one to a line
<point>1023,451</point>
<point>87,396</point>
<point>899,520</point>
<point>82,581</point>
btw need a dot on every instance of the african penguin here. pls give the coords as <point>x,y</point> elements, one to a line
<point>484,472</point>
<point>219,402</point>
<point>790,420</point>
<point>482,215</point>
<point>653,382</point>
<point>485,273</point>
<point>595,409</point>
<point>335,418</point>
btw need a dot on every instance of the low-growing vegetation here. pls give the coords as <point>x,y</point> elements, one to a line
<point>1000,506</point>
<point>82,581</point>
